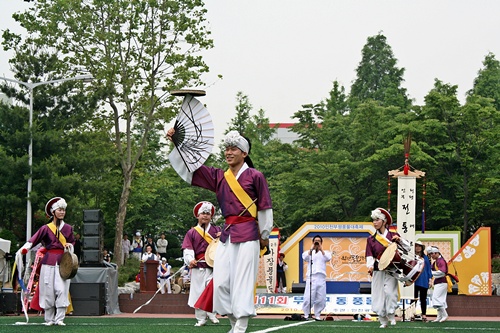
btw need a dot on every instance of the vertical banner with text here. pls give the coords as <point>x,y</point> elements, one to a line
<point>406,219</point>
<point>268,263</point>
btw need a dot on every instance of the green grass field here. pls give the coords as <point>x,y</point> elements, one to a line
<point>111,324</point>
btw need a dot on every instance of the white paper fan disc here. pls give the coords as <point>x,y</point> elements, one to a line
<point>194,133</point>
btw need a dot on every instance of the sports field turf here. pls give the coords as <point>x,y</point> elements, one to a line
<point>110,324</point>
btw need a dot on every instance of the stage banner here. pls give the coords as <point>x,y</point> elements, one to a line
<point>336,304</point>
<point>348,258</point>
<point>292,303</point>
<point>472,264</point>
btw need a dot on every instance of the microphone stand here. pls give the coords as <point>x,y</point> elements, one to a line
<point>310,287</point>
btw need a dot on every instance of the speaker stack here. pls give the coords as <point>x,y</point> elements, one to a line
<point>88,299</point>
<point>93,240</point>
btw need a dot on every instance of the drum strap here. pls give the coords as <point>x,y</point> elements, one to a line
<point>240,193</point>
<point>205,235</point>
<point>58,234</point>
<point>381,239</point>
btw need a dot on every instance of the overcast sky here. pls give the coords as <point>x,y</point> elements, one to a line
<point>286,53</point>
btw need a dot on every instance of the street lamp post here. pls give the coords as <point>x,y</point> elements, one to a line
<point>31,87</point>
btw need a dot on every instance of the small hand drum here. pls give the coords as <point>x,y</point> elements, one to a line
<point>68,267</point>
<point>176,289</point>
<point>210,252</point>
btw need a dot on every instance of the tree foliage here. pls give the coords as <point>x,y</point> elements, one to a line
<point>136,50</point>
<point>337,170</point>
<point>378,78</point>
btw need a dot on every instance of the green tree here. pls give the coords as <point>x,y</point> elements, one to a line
<point>242,117</point>
<point>461,140</point>
<point>61,115</point>
<point>487,82</point>
<point>136,50</point>
<point>378,78</point>
<point>255,127</point>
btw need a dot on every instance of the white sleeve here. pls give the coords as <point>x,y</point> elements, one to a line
<point>188,255</point>
<point>370,261</point>
<point>179,166</point>
<point>438,274</point>
<point>265,218</point>
<point>27,246</point>
<point>306,256</point>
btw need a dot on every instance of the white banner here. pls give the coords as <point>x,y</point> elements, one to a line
<point>406,220</point>
<point>338,304</point>
<point>270,263</point>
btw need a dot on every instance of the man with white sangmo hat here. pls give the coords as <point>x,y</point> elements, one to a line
<point>245,202</point>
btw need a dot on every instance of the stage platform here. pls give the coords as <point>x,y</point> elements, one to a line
<point>458,305</point>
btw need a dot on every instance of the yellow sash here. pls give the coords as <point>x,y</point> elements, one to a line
<point>58,234</point>
<point>240,193</point>
<point>206,236</point>
<point>381,239</point>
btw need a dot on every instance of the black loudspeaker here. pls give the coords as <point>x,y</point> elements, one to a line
<point>92,215</point>
<point>88,308</point>
<point>10,303</point>
<point>93,237</point>
<point>365,288</point>
<point>88,299</point>
<point>92,229</point>
<point>87,291</point>
<point>91,242</point>
<point>92,257</point>
<point>298,288</point>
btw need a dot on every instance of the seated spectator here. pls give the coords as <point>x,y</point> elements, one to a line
<point>106,256</point>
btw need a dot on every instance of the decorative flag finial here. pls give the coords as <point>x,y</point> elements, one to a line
<point>407,145</point>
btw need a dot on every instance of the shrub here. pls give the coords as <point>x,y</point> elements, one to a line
<point>128,272</point>
<point>495,265</point>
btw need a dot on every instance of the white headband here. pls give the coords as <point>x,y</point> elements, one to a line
<point>206,207</point>
<point>234,139</point>
<point>377,214</point>
<point>432,249</point>
<point>61,203</point>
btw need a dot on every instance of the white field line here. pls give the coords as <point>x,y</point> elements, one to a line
<point>282,327</point>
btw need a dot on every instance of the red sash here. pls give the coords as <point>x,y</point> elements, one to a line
<point>56,251</point>
<point>239,219</point>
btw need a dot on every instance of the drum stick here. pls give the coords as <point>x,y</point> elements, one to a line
<point>243,212</point>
